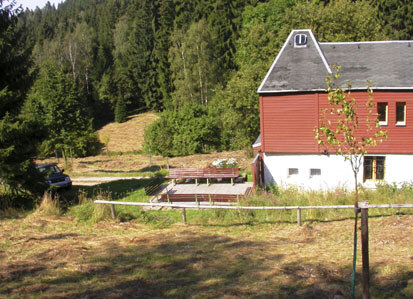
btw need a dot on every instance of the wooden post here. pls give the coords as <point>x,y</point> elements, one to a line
<point>299,216</point>
<point>184,215</point>
<point>167,196</point>
<point>112,210</point>
<point>365,248</point>
<point>210,202</point>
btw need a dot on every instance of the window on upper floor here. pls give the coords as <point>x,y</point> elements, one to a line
<point>382,112</point>
<point>374,168</point>
<point>300,40</point>
<point>400,114</point>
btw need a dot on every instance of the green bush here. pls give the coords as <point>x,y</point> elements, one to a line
<point>185,132</point>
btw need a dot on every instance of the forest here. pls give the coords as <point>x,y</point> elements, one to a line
<point>68,70</point>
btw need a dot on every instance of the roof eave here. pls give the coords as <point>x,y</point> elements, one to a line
<point>323,90</point>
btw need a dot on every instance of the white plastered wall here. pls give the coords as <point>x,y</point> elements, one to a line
<point>335,171</point>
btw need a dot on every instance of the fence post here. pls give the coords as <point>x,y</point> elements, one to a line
<point>299,216</point>
<point>365,248</point>
<point>184,215</point>
<point>112,211</point>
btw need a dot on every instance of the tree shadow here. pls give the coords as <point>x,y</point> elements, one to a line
<point>152,168</point>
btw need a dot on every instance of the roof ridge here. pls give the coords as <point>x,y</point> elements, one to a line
<point>368,42</point>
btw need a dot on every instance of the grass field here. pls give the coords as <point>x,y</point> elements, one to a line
<point>60,257</point>
<point>234,254</point>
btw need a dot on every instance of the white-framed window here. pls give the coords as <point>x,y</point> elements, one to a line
<point>315,172</point>
<point>374,168</point>
<point>383,113</point>
<point>300,40</point>
<point>292,171</point>
<point>400,113</point>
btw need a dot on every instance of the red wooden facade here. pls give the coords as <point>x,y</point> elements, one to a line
<point>287,122</point>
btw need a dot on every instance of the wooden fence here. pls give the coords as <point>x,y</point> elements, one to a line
<point>362,205</point>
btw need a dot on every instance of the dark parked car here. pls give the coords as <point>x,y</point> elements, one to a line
<point>54,176</point>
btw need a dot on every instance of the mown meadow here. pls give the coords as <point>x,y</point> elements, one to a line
<point>72,248</point>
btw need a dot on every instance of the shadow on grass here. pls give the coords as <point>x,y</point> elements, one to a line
<point>200,265</point>
<point>152,168</point>
<point>117,189</point>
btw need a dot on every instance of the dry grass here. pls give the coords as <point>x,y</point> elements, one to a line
<point>54,257</point>
<point>127,136</point>
<point>49,206</point>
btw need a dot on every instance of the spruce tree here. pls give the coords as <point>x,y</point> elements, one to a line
<point>120,110</point>
<point>18,137</point>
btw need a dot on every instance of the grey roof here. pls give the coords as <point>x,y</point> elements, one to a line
<point>387,64</point>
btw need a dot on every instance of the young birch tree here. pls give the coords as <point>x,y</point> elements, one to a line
<point>342,131</point>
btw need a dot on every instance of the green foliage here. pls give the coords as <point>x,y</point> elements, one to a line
<point>194,69</point>
<point>120,111</point>
<point>18,141</point>
<point>19,180</point>
<point>397,18</point>
<point>58,105</point>
<point>186,131</point>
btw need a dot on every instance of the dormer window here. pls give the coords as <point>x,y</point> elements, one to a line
<point>300,41</point>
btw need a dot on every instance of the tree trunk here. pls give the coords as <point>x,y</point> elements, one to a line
<point>356,211</point>
<point>201,87</point>
<point>181,50</point>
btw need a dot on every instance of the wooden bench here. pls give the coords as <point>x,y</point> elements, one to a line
<point>173,197</point>
<point>203,173</point>
<point>221,173</point>
<point>153,186</point>
<point>186,173</point>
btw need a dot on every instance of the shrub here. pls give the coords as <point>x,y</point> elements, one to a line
<point>185,132</point>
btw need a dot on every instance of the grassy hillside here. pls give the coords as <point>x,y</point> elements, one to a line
<point>127,136</point>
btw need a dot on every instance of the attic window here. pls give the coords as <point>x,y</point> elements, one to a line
<point>300,41</point>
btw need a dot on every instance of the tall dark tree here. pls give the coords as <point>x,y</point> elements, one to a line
<point>17,136</point>
<point>161,49</point>
<point>397,18</point>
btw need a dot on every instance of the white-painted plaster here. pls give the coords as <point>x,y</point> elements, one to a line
<point>335,171</point>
